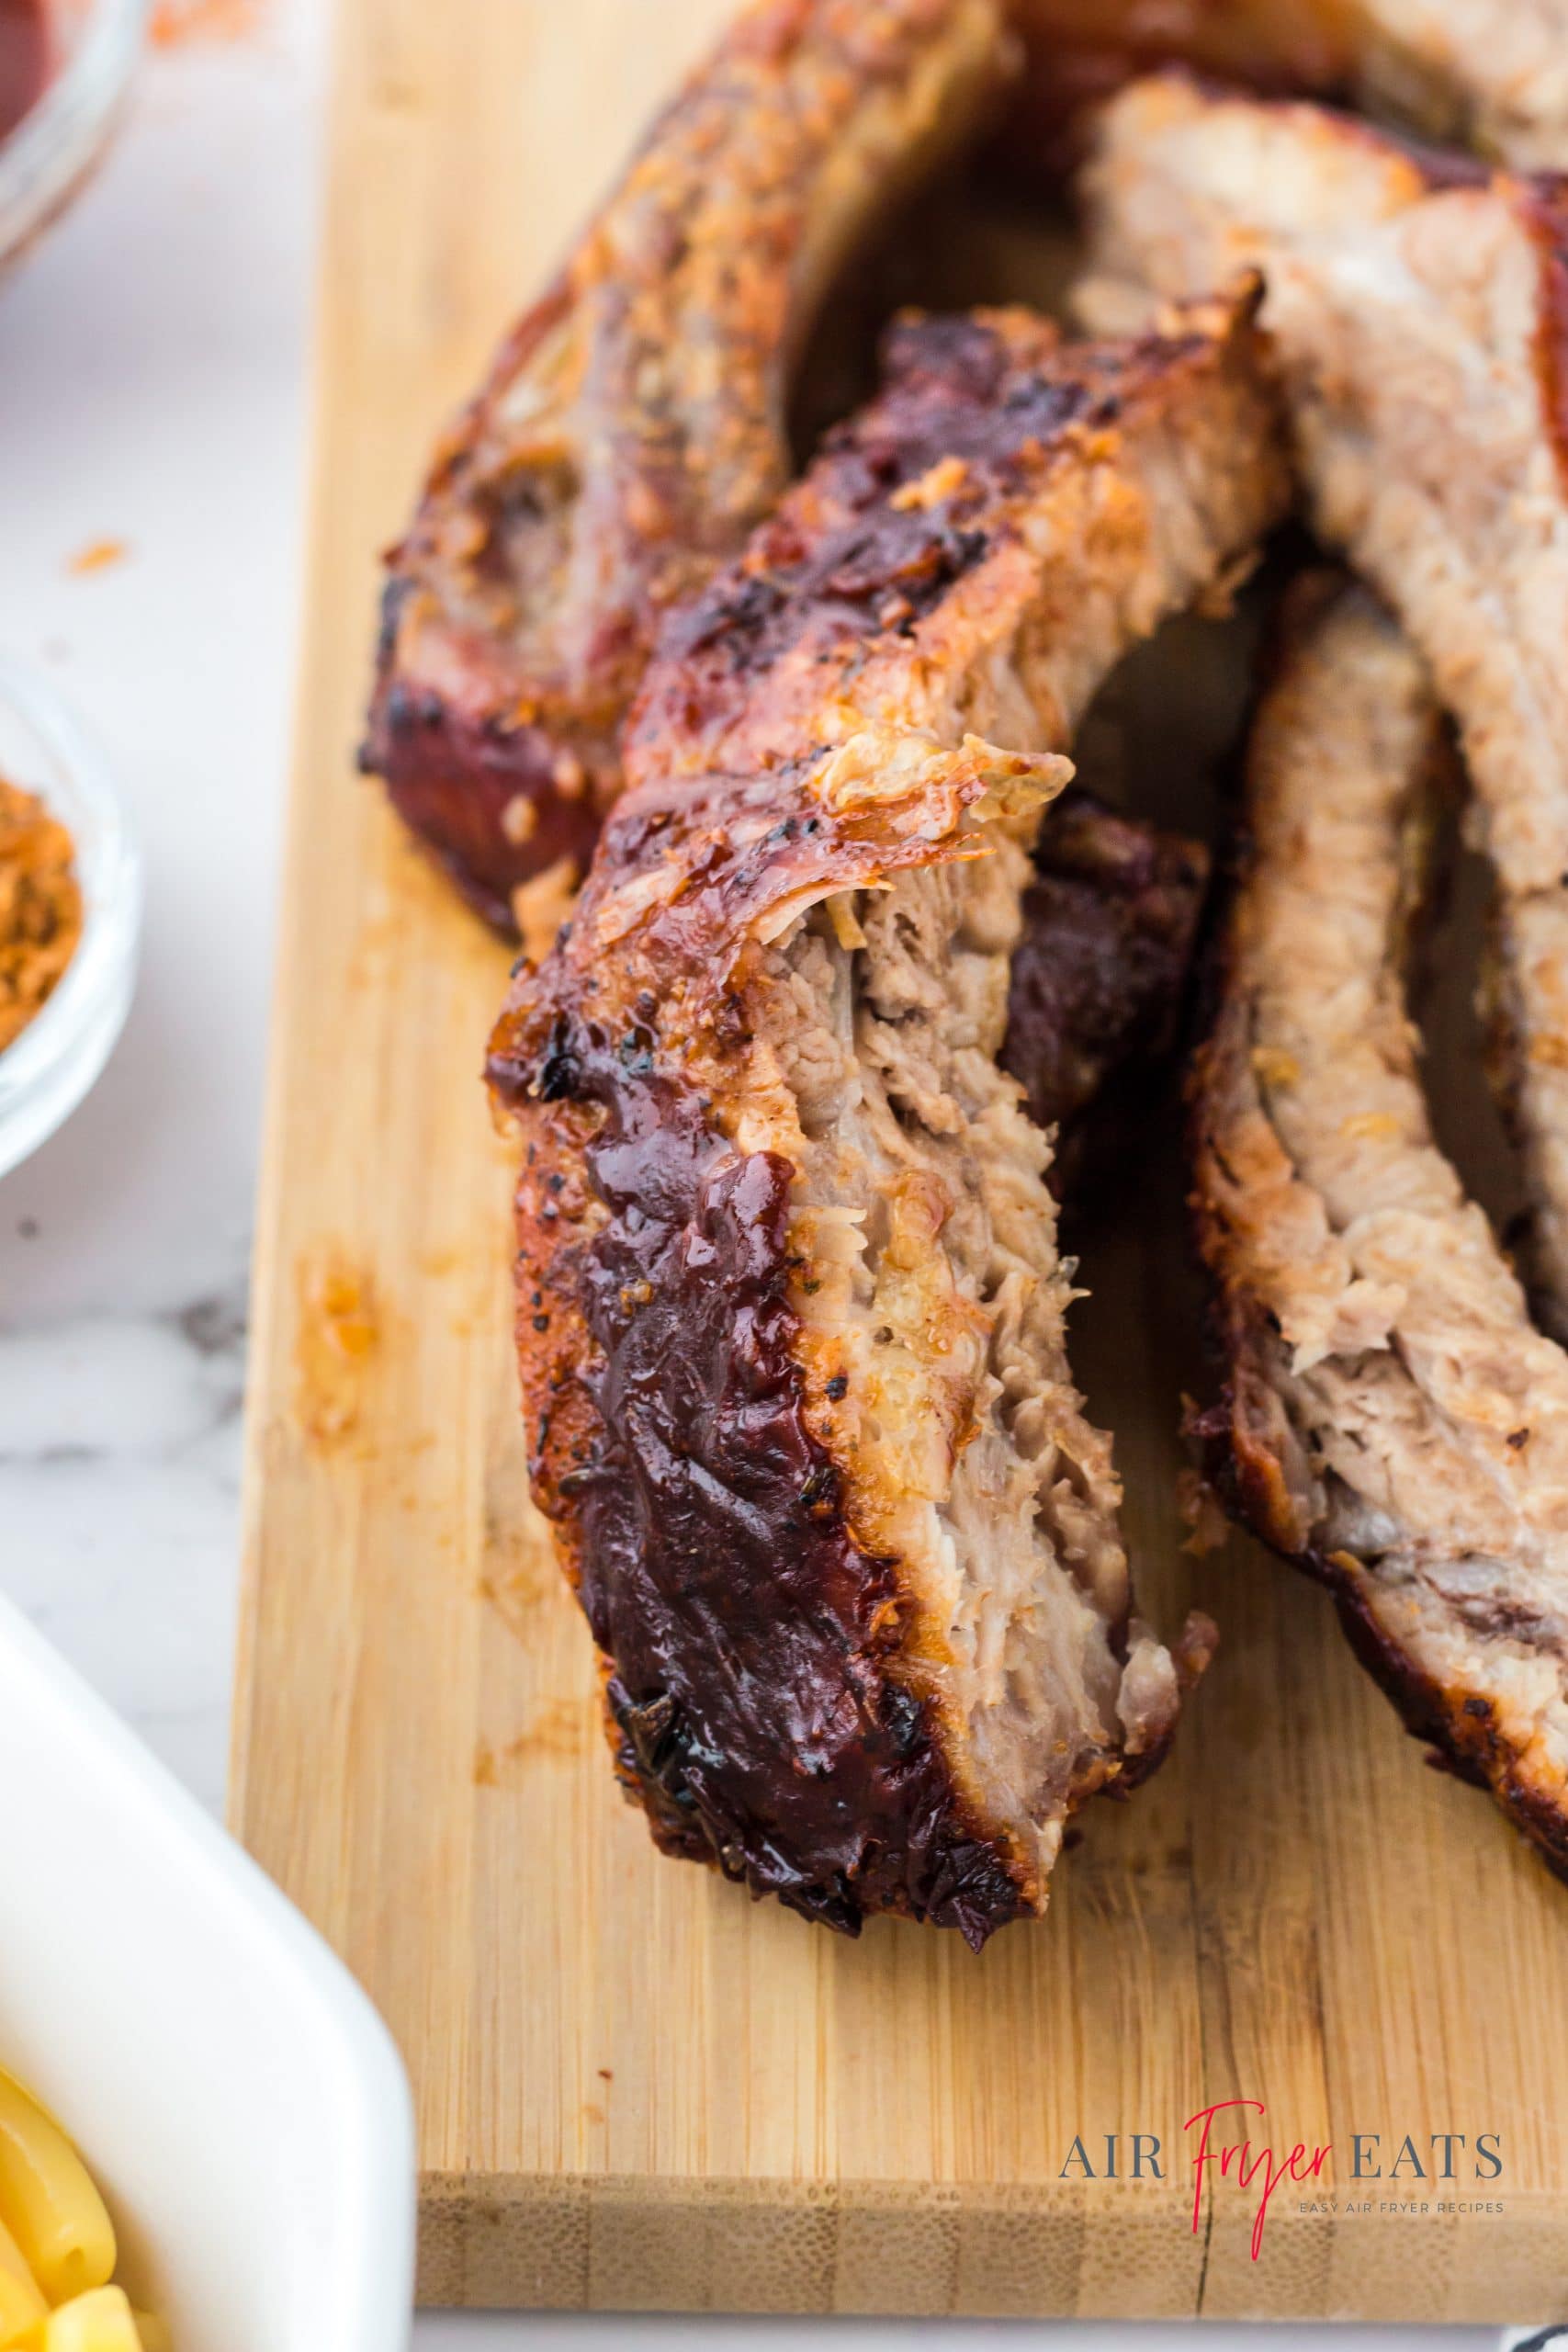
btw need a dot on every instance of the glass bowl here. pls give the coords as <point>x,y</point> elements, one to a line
<point>46,1070</point>
<point>53,147</point>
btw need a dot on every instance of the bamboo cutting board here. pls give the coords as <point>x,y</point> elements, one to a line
<point>634,2087</point>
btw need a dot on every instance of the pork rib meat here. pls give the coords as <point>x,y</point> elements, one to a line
<point>791,1311</point>
<point>1419,308</point>
<point>1392,1420</point>
<point>632,430</point>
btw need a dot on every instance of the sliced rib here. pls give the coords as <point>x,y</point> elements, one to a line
<point>1420,312</point>
<point>632,430</point>
<point>1394,1421</point>
<point>791,1308</point>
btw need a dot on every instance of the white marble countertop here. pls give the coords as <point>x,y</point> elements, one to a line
<point>153,392</point>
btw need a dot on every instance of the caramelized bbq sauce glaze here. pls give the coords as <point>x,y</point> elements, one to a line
<point>974,393</point>
<point>699,1518</point>
<point>752,1638</point>
<point>752,1647</point>
<point>750,1642</point>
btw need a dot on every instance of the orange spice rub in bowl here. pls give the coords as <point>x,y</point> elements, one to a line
<point>40,908</point>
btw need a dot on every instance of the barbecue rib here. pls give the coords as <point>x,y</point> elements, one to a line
<point>1420,312</point>
<point>1491,74</point>
<point>791,1310</point>
<point>1393,1422</point>
<point>632,430</point>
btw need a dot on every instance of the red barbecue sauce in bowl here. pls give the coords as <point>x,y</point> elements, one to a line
<point>24,60</point>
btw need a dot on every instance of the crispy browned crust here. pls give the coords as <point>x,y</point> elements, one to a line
<point>631,431</point>
<point>1249,1452</point>
<point>767,1707</point>
<point>900,555</point>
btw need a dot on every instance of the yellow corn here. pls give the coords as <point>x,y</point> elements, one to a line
<point>49,2204</point>
<point>100,2322</point>
<point>21,2305</point>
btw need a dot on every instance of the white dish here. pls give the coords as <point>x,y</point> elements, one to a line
<point>231,2089</point>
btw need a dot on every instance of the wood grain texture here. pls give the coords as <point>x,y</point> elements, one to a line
<point>634,2087</point>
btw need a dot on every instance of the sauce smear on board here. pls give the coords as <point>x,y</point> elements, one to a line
<point>24,59</point>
